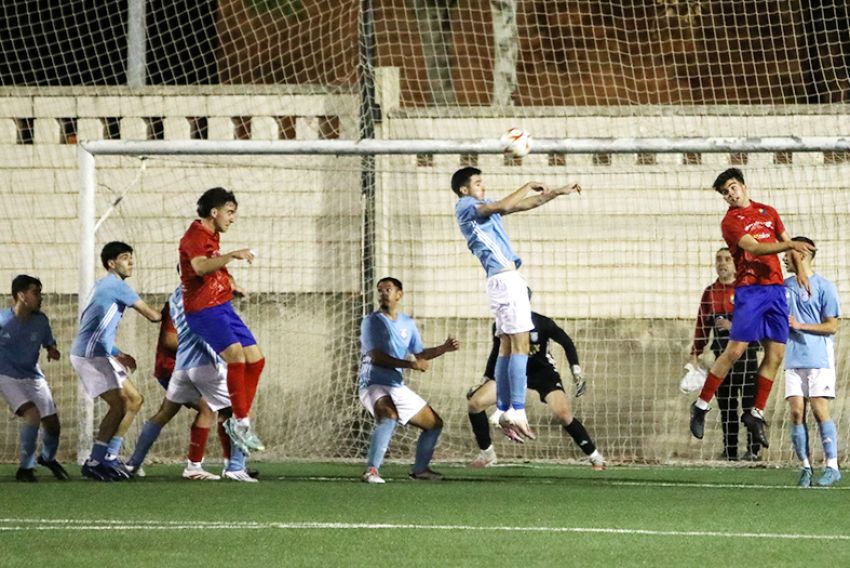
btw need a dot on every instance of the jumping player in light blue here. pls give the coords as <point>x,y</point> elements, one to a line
<point>24,331</point>
<point>100,364</point>
<point>390,343</point>
<point>480,222</point>
<point>810,363</point>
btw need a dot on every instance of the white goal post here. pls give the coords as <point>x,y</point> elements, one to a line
<point>431,223</point>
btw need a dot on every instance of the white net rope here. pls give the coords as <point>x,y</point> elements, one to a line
<point>621,268</point>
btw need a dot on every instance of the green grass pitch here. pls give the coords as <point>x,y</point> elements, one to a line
<point>524,515</point>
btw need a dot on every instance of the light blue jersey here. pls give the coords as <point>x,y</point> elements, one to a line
<point>397,338</point>
<point>485,236</point>
<point>21,343</point>
<point>809,350</point>
<point>192,351</point>
<point>100,319</point>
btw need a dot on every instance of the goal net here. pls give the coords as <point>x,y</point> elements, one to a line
<point>621,268</point>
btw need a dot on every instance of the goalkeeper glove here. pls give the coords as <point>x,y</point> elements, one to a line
<point>578,380</point>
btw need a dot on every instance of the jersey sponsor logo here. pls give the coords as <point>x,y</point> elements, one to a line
<point>404,334</point>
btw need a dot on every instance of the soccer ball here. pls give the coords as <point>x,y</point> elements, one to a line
<point>516,142</point>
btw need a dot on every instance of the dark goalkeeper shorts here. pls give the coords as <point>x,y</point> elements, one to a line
<point>543,382</point>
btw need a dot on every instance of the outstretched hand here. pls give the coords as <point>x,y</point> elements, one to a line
<point>568,189</point>
<point>243,254</point>
<point>451,344</point>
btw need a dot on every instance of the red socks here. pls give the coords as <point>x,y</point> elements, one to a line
<point>712,383</point>
<point>236,389</point>
<point>198,443</point>
<point>763,386</point>
<point>252,379</point>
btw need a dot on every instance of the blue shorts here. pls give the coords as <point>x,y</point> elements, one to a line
<point>761,312</point>
<point>221,327</point>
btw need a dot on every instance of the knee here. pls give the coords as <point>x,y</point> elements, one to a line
<point>474,406</point>
<point>134,402</point>
<point>51,424</point>
<point>438,423</point>
<point>796,416</point>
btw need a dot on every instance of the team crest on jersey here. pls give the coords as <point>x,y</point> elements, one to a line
<point>404,334</point>
<point>33,336</point>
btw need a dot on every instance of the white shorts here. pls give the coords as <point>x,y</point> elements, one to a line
<point>207,381</point>
<point>18,392</point>
<point>509,303</point>
<point>810,383</point>
<point>99,374</point>
<point>407,403</point>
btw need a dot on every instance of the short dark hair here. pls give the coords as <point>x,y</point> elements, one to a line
<point>394,281</point>
<point>461,178</point>
<point>214,198</point>
<point>113,250</point>
<point>23,282</point>
<point>731,173</point>
<point>721,249</point>
<point>801,239</point>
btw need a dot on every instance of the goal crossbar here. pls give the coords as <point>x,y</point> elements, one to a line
<point>619,145</point>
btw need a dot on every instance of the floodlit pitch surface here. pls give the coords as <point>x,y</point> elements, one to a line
<point>523,515</point>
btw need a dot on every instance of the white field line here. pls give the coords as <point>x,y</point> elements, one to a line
<point>13,524</point>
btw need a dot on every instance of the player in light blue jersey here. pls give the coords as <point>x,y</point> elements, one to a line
<point>390,343</point>
<point>24,331</point>
<point>480,222</point>
<point>102,366</point>
<point>198,381</point>
<point>810,363</point>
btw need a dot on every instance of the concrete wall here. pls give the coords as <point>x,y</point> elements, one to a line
<point>621,266</point>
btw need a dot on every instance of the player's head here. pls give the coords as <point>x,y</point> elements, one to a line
<point>390,291</point>
<point>218,206</point>
<point>724,264</point>
<point>731,185</point>
<point>26,292</point>
<point>467,181</point>
<point>117,257</point>
<point>807,256</point>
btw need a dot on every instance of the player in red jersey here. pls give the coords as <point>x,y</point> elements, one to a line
<point>714,320</point>
<point>207,291</point>
<point>755,235</point>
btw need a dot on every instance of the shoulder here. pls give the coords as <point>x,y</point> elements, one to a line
<point>467,203</point>
<point>6,315</point>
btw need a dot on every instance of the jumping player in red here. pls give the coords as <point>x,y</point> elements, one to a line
<point>207,291</point>
<point>755,235</point>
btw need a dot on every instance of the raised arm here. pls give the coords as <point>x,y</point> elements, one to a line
<point>203,265</point>
<point>752,246</point>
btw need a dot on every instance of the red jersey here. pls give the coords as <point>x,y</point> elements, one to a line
<point>201,292</point>
<point>165,357</point>
<point>763,223</point>
<point>717,301</point>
